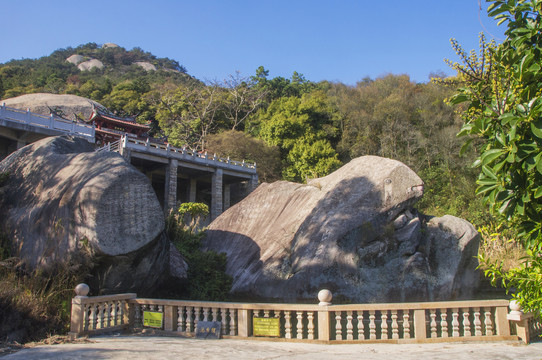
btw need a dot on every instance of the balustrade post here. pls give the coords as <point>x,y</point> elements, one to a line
<point>244,322</point>
<point>521,321</point>
<point>170,319</point>
<point>324,323</point>
<point>77,325</point>
<point>502,325</point>
<point>419,324</point>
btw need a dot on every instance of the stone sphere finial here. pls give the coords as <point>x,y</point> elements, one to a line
<point>515,308</point>
<point>325,297</point>
<point>82,290</point>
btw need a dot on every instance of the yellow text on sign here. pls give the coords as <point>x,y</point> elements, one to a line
<point>153,319</point>
<point>266,327</point>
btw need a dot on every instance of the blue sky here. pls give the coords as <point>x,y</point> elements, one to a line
<point>339,40</point>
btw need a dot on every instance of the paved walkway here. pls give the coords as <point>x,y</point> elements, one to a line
<point>153,347</point>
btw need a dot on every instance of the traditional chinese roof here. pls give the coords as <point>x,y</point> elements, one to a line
<point>100,116</point>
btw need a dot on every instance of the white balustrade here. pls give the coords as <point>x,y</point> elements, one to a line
<point>476,320</point>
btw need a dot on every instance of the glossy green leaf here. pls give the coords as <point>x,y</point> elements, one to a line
<point>490,155</point>
<point>536,128</point>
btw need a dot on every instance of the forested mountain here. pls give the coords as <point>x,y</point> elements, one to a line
<point>293,128</point>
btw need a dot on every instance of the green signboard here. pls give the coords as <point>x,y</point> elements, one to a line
<point>153,319</point>
<point>269,327</point>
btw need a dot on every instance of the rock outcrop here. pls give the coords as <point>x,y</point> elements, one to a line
<point>145,65</point>
<point>353,232</point>
<point>90,64</point>
<point>63,202</point>
<point>69,106</point>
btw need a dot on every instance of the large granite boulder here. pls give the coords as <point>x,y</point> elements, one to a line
<point>354,232</point>
<point>71,107</point>
<point>63,203</point>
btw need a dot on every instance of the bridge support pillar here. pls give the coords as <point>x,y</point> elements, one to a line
<point>170,193</point>
<point>216,194</point>
<point>227,197</point>
<point>192,190</point>
<point>253,183</point>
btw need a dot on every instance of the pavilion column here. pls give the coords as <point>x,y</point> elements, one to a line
<point>216,194</point>
<point>227,197</point>
<point>192,190</point>
<point>170,193</point>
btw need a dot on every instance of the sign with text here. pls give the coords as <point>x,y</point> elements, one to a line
<point>208,330</point>
<point>153,319</point>
<point>266,327</point>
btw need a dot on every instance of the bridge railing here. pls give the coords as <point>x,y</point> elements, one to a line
<point>48,122</point>
<point>181,153</point>
<point>477,320</point>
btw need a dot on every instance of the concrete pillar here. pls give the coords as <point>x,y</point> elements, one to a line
<point>216,194</point>
<point>192,188</point>
<point>126,153</point>
<point>170,193</point>
<point>227,197</point>
<point>20,144</point>
<point>253,183</point>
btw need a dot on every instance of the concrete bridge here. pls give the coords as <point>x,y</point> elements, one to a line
<point>19,128</point>
<point>181,175</point>
<point>176,174</point>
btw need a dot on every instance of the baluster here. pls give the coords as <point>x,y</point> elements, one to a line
<point>223,318</point>
<point>137,316</point>
<point>287,325</point>
<point>180,318</point>
<point>233,322</point>
<point>488,322</point>
<point>86,318</point>
<point>338,326</point>
<point>477,322</point>
<point>100,324</point>
<point>197,315</point>
<point>466,322</point>
<point>455,322</point>
<point>107,314</point>
<point>372,325</point>
<point>406,324</point>
<point>310,325</point>
<point>394,325</point>
<point>349,326</point>
<point>114,307</point>
<point>433,323</point>
<point>152,307</point>
<point>215,314</point>
<point>443,323</point>
<point>384,324</point>
<point>189,323</point>
<point>120,312</point>
<point>299,331</point>
<point>160,308</point>
<point>206,314</point>
<point>266,313</point>
<point>361,326</point>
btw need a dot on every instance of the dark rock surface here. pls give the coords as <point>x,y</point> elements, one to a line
<point>353,232</point>
<point>64,203</point>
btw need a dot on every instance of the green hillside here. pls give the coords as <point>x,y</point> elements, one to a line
<point>294,129</point>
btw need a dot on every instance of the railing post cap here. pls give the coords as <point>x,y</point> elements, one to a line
<point>82,290</point>
<point>325,296</point>
<point>515,307</point>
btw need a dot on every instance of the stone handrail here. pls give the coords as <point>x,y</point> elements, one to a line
<point>48,122</point>
<point>477,320</point>
<point>181,153</point>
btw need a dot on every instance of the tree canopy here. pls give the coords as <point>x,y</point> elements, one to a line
<point>502,87</point>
